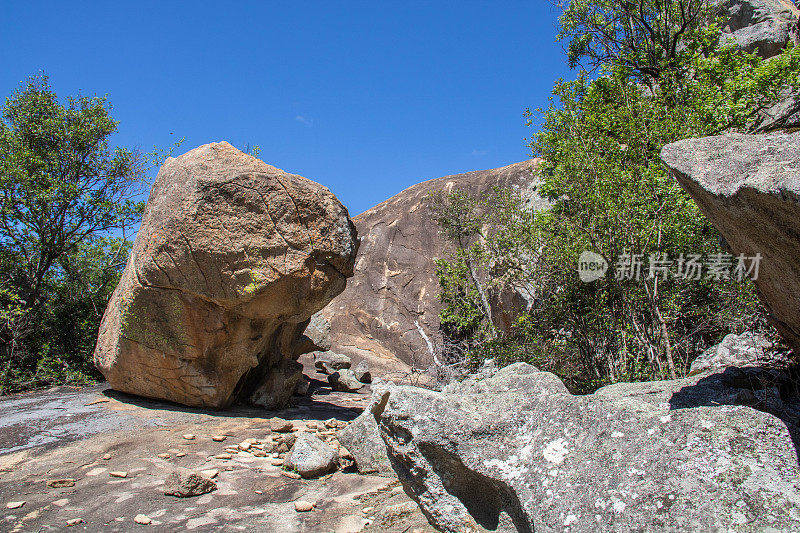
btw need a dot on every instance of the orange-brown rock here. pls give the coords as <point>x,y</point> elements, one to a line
<point>232,259</point>
<point>389,312</point>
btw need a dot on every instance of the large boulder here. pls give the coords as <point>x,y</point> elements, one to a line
<point>232,259</point>
<point>515,451</point>
<point>749,188</point>
<point>389,312</point>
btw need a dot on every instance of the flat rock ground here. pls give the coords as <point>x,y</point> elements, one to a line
<point>86,433</point>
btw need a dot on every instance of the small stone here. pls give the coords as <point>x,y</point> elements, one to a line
<point>61,483</point>
<point>259,453</point>
<point>74,522</point>
<point>259,492</point>
<point>331,423</point>
<point>142,519</point>
<point>219,438</point>
<point>292,475</point>
<point>118,474</point>
<point>223,456</point>
<point>276,462</point>
<point>367,510</point>
<point>188,436</point>
<point>245,445</point>
<point>185,483</point>
<point>302,506</point>
<point>211,473</point>
<point>344,453</point>
<point>280,425</point>
<point>180,454</point>
<point>14,505</point>
<point>106,457</point>
<point>163,456</point>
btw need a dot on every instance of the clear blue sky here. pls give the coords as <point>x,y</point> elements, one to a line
<point>367,98</point>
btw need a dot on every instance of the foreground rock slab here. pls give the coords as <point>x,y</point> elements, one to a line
<point>749,188</point>
<point>233,258</point>
<point>515,451</point>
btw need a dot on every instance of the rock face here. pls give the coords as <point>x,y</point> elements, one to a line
<point>515,451</point>
<point>762,26</point>
<point>310,457</point>
<point>390,308</point>
<point>232,259</point>
<point>749,187</point>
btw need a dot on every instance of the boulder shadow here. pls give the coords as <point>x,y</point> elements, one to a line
<point>773,391</point>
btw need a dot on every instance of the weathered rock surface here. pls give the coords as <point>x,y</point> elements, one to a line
<point>515,451</point>
<point>740,351</point>
<point>364,442</point>
<point>185,483</point>
<point>762,26</point>
<point>344,380</point>
<point>233,258</point>
<point>748,186</point>
<point>330,362</point>
<point>310,457</point>
<point>390,310</point>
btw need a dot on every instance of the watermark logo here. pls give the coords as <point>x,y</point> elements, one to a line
<point>715,267</point>
<point>591,266</point>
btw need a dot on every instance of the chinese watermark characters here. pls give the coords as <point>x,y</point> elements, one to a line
<point>716,267</point>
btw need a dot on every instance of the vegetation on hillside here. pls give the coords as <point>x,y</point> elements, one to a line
<point>68,201</point>
<point>654,72</point>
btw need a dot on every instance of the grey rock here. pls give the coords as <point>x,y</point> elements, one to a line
<point>749,188</point>
<point>185,483</point>
<point>316,337</point>
<point>364,442</point>
<point>513,450</point>
<point>746,350</point>
<point>310,457</point>
<point>362,372</point>
<point>344,380</point>
<point>762,26</point>
<point>330,362</point>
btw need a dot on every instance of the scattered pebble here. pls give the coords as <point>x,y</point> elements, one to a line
<point>259,492</point>
<point>292,475</point>
<point>163,456</point>
<point>14,505</point>
<point>118,474</point>
<point>74,522</point>
<point>223,456</point>
<point>302,506</point>
<point>180,454</point>
<point>188,436</point>
<point>219,438</point>
<point>61,483</point>
<point>142,519</point>
<point>276,462</point>
<point>106,457</point>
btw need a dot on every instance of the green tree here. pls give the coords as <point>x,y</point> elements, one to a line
<point>64,193</point>
<point>610,193</point>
